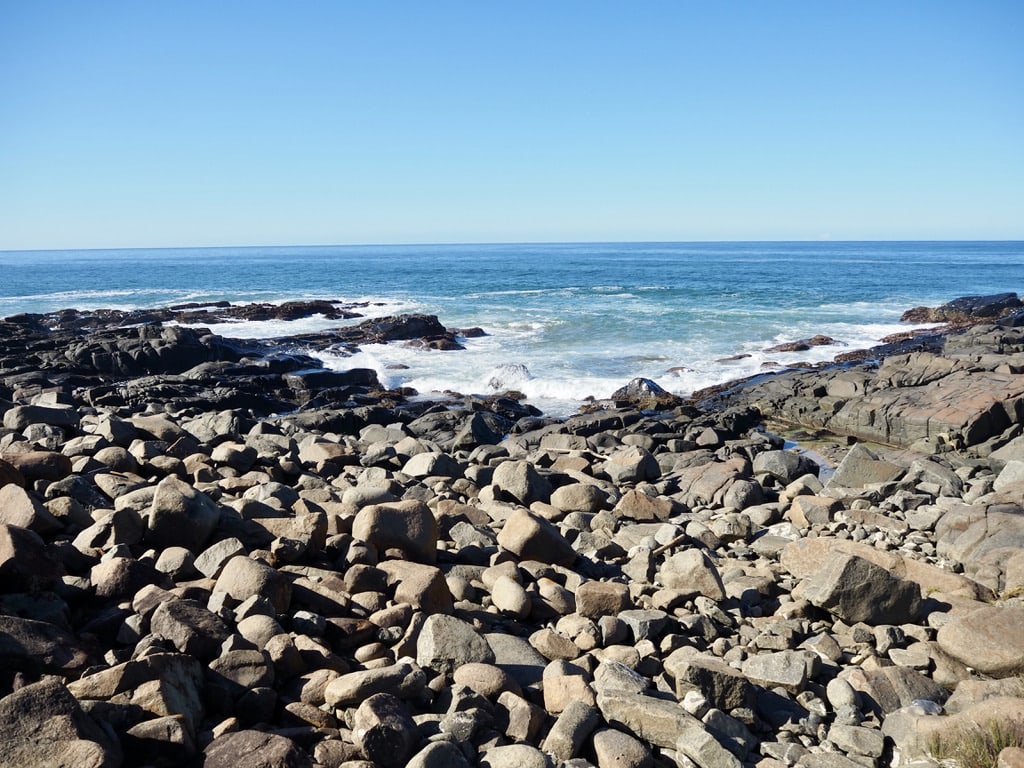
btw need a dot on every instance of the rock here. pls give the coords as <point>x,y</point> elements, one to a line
<point>161,741</point>
<point>37,647</point>
<point>26,565</point>
<point>788,669</point>
<point>632,464</point>
<point>807,511</point>
<point>573,726</point>
<point>162,684</point>
<point>44,726</point>
<point>514,756</point>
<point>446,643</point>
<point>601,598</point>
<point>724,686</point>
<point>655,721</point>
<point>253,749</point>
<point>421,586</point>
<point>9,475</point>
<point>20,509</point>
<point>615,749</point>
<point>404,680</point>
<point>384,731</point>
<point>644,393</point>
<point>705,750</point>
<point>509,597</point>
<point>243,578</point>
<point>692,573</point>
<point>21,416</point>
<point>190,627</point>
<point>578,497</point>
<point>432,464</point>
<point>855,589</point>
<point>989,640</point>
<point>861,467</point>
<point>520,481</point>
<point>784,466</point>
<point>439,754</point>
<point>39,465</point>
<point>637,505</point>
<point>531,537</point>
<point>406,525</point>
<point>886,689</point>
<point>180,516</point>
<point>488,680</point>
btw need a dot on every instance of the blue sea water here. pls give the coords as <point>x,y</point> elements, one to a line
<point>565,321</point>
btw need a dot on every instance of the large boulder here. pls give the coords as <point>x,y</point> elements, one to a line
<point>406,525</point>
<point>989,640</point>
<point>43,726</point>
<point>855,589</point>
<point>180,516</point>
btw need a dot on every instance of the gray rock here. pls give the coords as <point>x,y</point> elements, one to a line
<point>18,508</point>
<point>439,754</point>
<point>566,737</point>
<point>39,647</point>
<point>517,657</point>
<point>723,685</point>
<point>514,756</point>
<point>445,643</point>
<point>159,683</point>
<point>861,467</point>
<point>784,466</point>
<point>615,749</point>
<point>26,565</point>
<point>655,721</point>
<point>789,669</point>
<point>404,680</point>
<point>855,590</point>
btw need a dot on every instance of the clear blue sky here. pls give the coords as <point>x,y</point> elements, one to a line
<point>317,122</point>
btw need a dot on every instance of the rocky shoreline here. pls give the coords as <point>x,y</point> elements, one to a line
<point>216,553</point>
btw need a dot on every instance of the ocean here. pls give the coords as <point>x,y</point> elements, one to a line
<point>564,321</point>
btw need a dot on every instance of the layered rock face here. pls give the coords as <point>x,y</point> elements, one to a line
<point>466,584</point>
<point>966,392</point>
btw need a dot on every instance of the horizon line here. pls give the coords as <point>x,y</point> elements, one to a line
<point>504,242</point>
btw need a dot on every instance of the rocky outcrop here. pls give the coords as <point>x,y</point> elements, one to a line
<point>970,394</point>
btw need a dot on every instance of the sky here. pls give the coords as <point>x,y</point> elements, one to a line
<point>191,123</point>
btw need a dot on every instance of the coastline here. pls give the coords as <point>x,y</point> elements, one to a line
<point>276,556</point>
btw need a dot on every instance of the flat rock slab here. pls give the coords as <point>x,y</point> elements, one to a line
<point>990,639</point>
